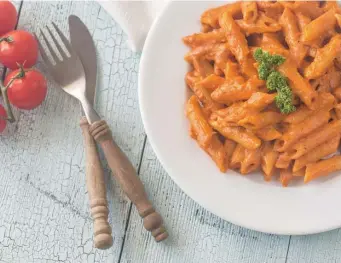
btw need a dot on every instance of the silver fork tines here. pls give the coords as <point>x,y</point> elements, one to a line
<point>66,70</point>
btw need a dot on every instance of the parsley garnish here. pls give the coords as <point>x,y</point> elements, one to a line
<point>275,81</point>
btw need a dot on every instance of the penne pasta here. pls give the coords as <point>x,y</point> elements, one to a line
<point>229,116</point>
<point>248,68</point>
<point>200,127</point>
<point>229,147</point>
<point>192,78</point>
<point>299,173</point>
<point>264,24</point>
<point>216,150</point>
<point>322,168</point>
<point>319,26</point>
<point>319,136</point>
<point>271,43</point>
<point>310,9</point>
<point>202,66</point>
<point>212,82</point>
<point>299,115</point>
<point>266,78</point>
<point>251,161</point>
<point>211,16</point>
<point>232,91</point>
<point>232,72</point>
<point>285,176</point>
<point>260,120</point>
<point>302,20</point>
<point>268,133</point>
<point>299,85</point>
<point>301,130</point>
<point>212,37</point>
<point>324,58</point>
<point>259,101</point>
<point>268,159</point>
<point>283,161</point>
<point>291,32</point>
<point>237,157</point>
<point>235,38</point>
<point>317,153</point>
<point>250,11</point>
<point>205,98</point>
<point>325,101</point>
<point>273,10</point>
<point>238,134</point>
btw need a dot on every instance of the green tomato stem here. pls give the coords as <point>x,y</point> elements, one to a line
<point>8,108</point>
<point>6,39</point>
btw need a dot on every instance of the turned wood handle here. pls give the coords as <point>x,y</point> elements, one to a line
<point>96,190</point>
<point>126,175</point>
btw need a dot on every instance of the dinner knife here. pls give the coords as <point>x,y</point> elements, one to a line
<point>82,43</point>
<point>122,169</point>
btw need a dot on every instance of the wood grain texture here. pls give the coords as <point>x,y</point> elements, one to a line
<point>195,235</point>
<point>45,213</point>
<point>324,248</point>
<point>97,191</point>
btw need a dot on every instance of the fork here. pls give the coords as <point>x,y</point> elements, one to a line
<point>68,72</point>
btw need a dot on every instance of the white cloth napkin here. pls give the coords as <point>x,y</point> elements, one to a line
<point>134,17</point>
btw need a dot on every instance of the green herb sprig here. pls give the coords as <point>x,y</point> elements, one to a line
<point>275,81</point>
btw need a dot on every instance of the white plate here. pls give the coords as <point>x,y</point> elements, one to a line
<point>247,201</point>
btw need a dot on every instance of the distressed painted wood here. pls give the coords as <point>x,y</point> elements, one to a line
<point>43,199</point>
<point>325,247</point>
<point>195,235</point>
<point>45,215</point>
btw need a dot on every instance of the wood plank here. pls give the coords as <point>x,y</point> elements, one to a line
<point>195,234</point>
<point>324,247</point>
<point>43,199</point>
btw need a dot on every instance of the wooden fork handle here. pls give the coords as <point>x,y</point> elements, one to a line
<point>129,181</point>
<point>96,190</point>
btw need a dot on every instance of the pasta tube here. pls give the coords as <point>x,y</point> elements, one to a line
<point>198,122</point>
<point>251,161</point>
<point>322,168</point>
<point>268,160</point>
<point>301,130</point>
<point>317,153</point>
<point>238,134</point>
<point>316,138</point>
<point>319,26</point>
<point>235,38</point>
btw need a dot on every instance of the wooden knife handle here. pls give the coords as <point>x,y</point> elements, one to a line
<point>126,175</point>
<point>96,190</point>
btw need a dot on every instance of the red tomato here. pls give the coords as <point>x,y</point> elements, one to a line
<point>8,17</point>
<point>27,90</point>
<point>18,46</point>
<point>3,117</point>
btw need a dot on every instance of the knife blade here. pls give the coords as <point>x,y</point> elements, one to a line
<point>82,43</point>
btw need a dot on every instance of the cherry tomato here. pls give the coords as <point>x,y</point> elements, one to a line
<point>18,46</point>
<point>3,116</point>
<point>8,17</point>
<point>26,88</point>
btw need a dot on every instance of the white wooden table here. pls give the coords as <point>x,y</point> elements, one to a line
<point>43,199</point>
